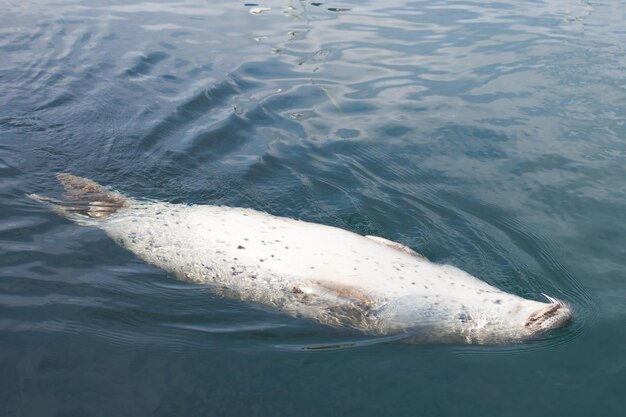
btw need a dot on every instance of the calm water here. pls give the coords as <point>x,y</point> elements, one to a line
<point>487,135</point>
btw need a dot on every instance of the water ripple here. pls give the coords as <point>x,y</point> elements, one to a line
<point>484,135</point>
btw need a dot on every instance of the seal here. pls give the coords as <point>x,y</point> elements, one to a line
<point>310,270</point>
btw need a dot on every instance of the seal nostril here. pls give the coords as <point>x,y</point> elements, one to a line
<point>540,316</point>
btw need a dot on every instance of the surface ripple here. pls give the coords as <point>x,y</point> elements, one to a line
<point>485,135</point>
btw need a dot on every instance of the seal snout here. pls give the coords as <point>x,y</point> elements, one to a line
<point>552,316</point>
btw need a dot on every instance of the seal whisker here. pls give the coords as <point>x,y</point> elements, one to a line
<point>551,299</point>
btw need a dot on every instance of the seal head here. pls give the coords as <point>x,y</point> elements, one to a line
<point>448,320</point>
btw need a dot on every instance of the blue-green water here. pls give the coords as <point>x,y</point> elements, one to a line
<point>487,135</point>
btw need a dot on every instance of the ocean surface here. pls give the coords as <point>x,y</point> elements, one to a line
<point>489,135</point>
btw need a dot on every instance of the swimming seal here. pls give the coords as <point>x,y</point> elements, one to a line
<point>320,272</point>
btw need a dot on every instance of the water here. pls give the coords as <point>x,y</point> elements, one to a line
<point>487,135</point>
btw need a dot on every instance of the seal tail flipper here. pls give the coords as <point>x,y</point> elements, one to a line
<point>84,198</point>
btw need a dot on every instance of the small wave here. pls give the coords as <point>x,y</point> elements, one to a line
<point>338,344</point>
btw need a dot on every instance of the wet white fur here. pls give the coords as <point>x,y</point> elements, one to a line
<point>320,272</point>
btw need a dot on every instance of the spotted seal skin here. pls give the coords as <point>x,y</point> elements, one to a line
<point>309,270</point>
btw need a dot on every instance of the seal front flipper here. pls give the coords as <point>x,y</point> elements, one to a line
<point>85,198</point>
<point>395,245</point>
<point>347,292</point>
<point>341,305</point>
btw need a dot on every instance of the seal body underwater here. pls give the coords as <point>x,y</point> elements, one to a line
<point>320,272</point>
